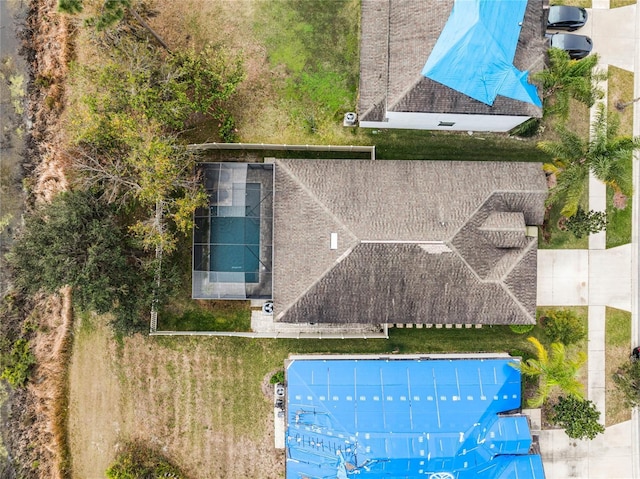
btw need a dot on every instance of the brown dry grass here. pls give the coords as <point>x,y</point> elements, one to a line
<point>193,23</point>
<point>47,393</point>
<point>618,346</point>
<point>43,442</point>
<point>51,43</point>
<point>173,399</point>
<point>94,401</point>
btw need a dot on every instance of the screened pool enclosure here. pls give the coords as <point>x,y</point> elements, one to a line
<point>232,237</point>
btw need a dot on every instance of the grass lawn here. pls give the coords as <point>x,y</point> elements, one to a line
<point>620,90</point>
<point>619,221</point>
<point>621,3</point>
<point>618,347</point>
<point>575,3</point>
<point>198,315</point>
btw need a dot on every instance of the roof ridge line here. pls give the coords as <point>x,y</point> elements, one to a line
<point>508,290</point>
<point>522,254</point>
<point>339,260</point>
<point>471,215</point>
<point>464,261</point>
<point>314,197</point>
<point>404,93</point>
<point>500,282</point>
<point>279,164</point>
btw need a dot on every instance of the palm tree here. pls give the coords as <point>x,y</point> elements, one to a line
<point>565,79</point>
<point>553,371</point>
<point>574,157</point>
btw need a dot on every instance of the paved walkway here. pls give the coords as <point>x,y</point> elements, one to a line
<point>598,278</point>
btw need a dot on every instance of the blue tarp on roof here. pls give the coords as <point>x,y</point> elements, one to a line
<point>475,51</point>
<point>406,419</point>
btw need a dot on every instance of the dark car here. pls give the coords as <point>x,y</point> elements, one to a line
<point>562,17</point>
<point>577,46</point>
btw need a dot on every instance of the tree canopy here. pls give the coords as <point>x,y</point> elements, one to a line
<point>129,123</point>
<point>565,79</point>
<point>77,241</point>
<point>579,417</point>
<point>574,157</point>
<point>554,370</point>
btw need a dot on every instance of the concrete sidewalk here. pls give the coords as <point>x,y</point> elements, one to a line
<point>598,278</point>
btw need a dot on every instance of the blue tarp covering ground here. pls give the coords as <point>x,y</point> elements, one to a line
<point>406,419</point>
<point>475,51</point>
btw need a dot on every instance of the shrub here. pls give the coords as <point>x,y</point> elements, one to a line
<point>17,364</point>
<point>584,223</point>
<point>277,377</point>
<point>137,462</point>
<point>627,379</point>
<point>579,417</point>
<point>564,326</point>
<point>521,328</point>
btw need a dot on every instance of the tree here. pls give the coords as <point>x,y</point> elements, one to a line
<point>584,223</point>
<point>554,371</point>
<point>578,417</point>
<point>129,126</point>
<point>78,241</point>
<point>574,157</point>
<point>565,79</point>
<point>627,379</point>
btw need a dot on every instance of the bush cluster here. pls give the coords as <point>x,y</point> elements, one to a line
<point>579,417</point>
<point>563,326</point>
<point>137,461</point>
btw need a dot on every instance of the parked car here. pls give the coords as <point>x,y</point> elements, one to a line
<point>577,46</point>
<point>562,17</point>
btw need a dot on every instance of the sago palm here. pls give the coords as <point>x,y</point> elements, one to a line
<point>553,370</point>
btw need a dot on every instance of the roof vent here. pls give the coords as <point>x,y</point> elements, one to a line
<point>267,307</point>
<point>350,119</point>
<point>334,241</point>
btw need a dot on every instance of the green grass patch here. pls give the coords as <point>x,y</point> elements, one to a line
<point>618,221</point>
<point>575,3</point>
<point>618,328</point>
<point>430,145</point>
<point>618,348</point>
<point>621,3</point>
<point>620,90</point>
<point>207,316</point>
<point>316,45</point>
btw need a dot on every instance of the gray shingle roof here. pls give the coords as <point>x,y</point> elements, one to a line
<point>410,248</point>
<point>397,37</point>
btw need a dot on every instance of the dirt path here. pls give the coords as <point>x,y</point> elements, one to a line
<point>94,401</point>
